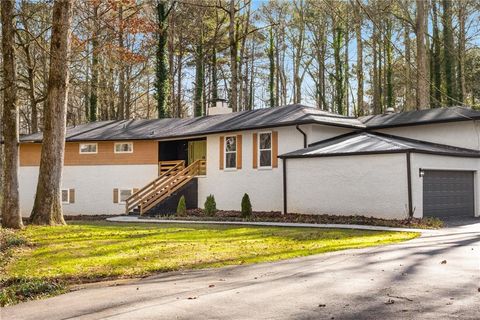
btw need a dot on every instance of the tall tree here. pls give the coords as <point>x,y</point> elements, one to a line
<point>436,72</point>
<point>11,217</point>
<point>423,88</point>
<point>233,45</point>
<point>338,39</point>
<point>95,66</point>
<point>462,16</point>
<point>409,96</point>
<point>162,78</point>
<point>359,68</point>
<point>390,99</point>
<point>199,77</point>
<point>448,53</point>
<point>47,208</point>
<point>271,70</point>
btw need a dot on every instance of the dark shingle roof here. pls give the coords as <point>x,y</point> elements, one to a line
<point>357,143</point>
<point>255,119</point>
<point>418,117</point>
<point>172,128</point>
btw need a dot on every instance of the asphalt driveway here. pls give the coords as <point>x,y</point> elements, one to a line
<point>436,276</point>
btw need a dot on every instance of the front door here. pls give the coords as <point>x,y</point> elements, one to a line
<point>197,150</point>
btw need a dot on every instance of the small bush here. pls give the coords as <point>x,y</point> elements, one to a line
<point>182,207</point>
<point>210,206</point>
<point>28,289</point>
<point>246,206</point>
<point>9,239</point>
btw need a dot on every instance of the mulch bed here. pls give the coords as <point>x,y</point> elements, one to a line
<point>273,216</point>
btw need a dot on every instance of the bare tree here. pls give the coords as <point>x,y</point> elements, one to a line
<point>47,208</point>
<point>423,87</point>
<point>11,217</point>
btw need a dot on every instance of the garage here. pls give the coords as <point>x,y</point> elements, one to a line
<point>448,193</point>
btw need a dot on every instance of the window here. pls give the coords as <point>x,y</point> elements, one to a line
<point>124,147</point>
<point>65,196</point>
<point>265,149</point>
<point>230,152</point>
<point>125,194</point>
<point>88,148</point>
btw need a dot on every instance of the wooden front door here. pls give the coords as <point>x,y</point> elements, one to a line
<point>197,150</point>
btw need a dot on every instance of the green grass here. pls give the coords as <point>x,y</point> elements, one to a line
<point>91,251</point>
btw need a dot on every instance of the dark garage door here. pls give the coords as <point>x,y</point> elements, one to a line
<point>448,193</point>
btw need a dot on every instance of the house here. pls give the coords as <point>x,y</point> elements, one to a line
<point>289,159</point>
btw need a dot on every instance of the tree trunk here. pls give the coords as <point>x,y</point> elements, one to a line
<point>462,16</point>
<point>389,72</point>
<point>376,92</point>
<point>271,74</point>
<point>449,61</point>
<point>423,94</point>
<point>233,58</point>
<point>162,77</point>
<point>11,217</point>
<point>337,45</point>
<point>94,80</point>
<point>121,80</point>
<point>47,209</point>
<point>199,78</point>
<point>409,96</point>
<point>436,60</point>
<point>178,111</point>
<point>358,33</point>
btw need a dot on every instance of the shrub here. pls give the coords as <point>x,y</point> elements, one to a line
<point>246,206</point>
<point>9,239</point>
<point>210,206</point>
<point>19,290</point>
<point>181,207</point>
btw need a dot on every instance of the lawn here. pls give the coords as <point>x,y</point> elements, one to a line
<point>91,251</point>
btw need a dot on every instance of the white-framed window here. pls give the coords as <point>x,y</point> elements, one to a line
<point>65,195</point>
<point>88,148</point>
<point>123,147</point>
<point>124,194</point>
<point>230,152</point>
<point>265,150</point>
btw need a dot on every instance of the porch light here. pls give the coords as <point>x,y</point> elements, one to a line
<point>421,173</point>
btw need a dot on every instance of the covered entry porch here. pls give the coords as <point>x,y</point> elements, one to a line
<point>182,153</point>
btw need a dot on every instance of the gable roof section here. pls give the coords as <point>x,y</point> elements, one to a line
<point>418,117</point>
<point>362,143</point>
<point>175,128</point>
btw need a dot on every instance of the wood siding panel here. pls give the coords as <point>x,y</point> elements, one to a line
<point>274,149</point>
<point>71,196</point>
<point>144,152</point>
<point>255,150</point>
<point>115,195</point>
<point>239,151</point>
<point>221,151</point>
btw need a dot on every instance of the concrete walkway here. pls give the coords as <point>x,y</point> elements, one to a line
<point>435,276</point>
<point>269,224</point>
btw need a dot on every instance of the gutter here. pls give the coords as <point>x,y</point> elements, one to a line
<point>409,184</point>
<point>284,165</point>
<point>305,144</point>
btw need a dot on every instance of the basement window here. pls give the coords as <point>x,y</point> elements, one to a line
<point>124,194</point>
<point>265,149</point>
<point>88,148</point>
<point>231,152</point>
<point>124,147</point>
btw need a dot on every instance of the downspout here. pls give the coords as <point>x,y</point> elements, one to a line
<point>304,135</point>
<point>409,185</point>
<point>284,165</point>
